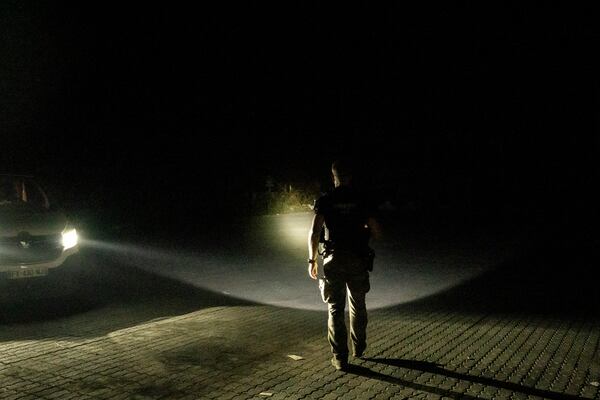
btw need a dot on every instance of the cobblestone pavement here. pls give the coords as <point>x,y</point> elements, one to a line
<point>242,352</point>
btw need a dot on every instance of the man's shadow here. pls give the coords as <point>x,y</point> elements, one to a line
<point>437,369</point>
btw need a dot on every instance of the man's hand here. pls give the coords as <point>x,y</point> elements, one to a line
<point>314,234</point>
<point>313,269</point>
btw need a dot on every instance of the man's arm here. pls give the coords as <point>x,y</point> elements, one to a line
<point>313,244</point>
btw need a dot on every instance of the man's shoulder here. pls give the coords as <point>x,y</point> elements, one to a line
<point>324,196</point>
<point>322,201</point>
<point>331,196</point>
<point>349,194</point>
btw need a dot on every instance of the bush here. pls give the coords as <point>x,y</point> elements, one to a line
<point>285,200</point>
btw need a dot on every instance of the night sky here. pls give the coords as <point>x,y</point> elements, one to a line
<point>134,107</point>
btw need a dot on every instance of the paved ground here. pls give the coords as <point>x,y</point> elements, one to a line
<point>518,331</point>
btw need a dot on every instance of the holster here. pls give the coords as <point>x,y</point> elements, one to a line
<point>369,259</point>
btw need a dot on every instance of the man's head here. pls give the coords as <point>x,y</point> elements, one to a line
<point>342,171</point>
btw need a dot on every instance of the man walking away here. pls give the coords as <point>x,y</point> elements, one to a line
<point>348,222</point>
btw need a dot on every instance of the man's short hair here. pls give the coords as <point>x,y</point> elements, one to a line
<point>342,168</point>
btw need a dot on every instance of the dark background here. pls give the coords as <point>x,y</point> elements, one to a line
<point>175,114</point>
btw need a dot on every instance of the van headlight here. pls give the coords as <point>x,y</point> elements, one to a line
<point>69,239</point>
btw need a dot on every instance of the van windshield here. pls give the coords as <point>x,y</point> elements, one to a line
<point>21,190</point>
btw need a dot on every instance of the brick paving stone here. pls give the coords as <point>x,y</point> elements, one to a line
<point>503,394</point>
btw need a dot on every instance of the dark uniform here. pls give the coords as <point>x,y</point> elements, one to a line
<point>346,213</point>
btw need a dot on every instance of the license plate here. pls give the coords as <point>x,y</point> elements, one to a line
<point>26,273</point>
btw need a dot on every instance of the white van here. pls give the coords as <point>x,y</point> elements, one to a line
<point>36,238</point>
